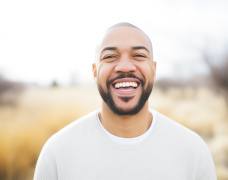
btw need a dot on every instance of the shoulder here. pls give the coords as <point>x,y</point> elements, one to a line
<point>177,132</point>
<point>187,144</point>
<point>85,122</point>
<point>74,132</point>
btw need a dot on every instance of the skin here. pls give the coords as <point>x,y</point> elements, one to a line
<point>125,49</point>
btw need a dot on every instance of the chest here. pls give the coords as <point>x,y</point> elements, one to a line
<point>124,163</point>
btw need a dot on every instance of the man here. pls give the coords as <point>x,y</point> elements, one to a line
<point>125,139</point>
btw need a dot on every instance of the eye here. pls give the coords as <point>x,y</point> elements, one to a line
<point>109,57</point>
<point>140,56</point>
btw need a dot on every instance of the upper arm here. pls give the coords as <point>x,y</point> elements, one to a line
<point>205,166</point>
<point>46,165</point>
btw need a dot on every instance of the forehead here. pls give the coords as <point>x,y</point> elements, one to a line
<point>125,37</point>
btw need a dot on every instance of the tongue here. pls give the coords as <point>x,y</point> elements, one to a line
<point>125,91</point>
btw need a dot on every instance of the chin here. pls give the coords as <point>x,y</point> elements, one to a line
<point>125,111</point>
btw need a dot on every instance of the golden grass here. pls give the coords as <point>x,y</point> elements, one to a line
<point>42,111</point>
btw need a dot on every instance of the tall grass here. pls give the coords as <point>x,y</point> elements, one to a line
<point>43,111</point>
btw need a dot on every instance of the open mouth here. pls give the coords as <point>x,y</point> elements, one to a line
<point>126,83</point>
<point>126,87</point>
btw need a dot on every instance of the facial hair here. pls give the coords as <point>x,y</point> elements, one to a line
<point>108,99</point>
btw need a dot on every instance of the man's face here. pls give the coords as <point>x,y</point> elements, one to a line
<point>125,71</point>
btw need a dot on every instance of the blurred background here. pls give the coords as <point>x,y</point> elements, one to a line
<point>47,48</point>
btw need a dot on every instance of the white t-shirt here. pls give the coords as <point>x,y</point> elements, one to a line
<point>85,150</point>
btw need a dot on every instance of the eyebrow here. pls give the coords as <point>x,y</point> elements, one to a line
<point>109,49</point>
<point>140,47</point>
<point>115,48</point>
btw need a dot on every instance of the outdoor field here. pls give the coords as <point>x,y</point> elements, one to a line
<point>41,111</point>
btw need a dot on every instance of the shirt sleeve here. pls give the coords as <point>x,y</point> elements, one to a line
<point>205,167</point>
<point>46,168</point>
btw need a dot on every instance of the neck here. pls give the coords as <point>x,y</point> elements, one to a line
<point>126,126</point>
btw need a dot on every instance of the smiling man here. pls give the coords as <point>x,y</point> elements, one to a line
<point>125,139</point>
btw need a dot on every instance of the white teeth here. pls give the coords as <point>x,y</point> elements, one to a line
<point>126,84</point>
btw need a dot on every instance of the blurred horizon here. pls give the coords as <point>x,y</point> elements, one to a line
<point>47,41</point>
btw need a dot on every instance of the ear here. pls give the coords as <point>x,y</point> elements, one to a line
<point>94,68</point>
<point>154,69</point>
<point>155,65</point>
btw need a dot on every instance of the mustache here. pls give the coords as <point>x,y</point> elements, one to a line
<point>125,75</point>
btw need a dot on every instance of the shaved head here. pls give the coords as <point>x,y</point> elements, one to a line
<point>126,24</point>
<point>118,26</point>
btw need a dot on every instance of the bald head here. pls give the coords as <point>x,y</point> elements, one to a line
<point>123,35</point>
<point>124,24</point>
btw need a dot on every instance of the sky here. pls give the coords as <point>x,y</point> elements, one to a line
<point>46,40</point>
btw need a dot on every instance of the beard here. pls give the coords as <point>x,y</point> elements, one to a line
<point>108,99</point>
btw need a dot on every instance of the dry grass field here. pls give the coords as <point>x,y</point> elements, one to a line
<point>42,111</point>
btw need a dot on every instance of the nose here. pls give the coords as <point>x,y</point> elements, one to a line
<point>125,65</point>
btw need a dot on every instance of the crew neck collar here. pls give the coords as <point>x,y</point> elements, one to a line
<point>133,140</point>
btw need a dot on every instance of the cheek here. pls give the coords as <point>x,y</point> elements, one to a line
<point>148,72</point>
<point>104,71</point>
